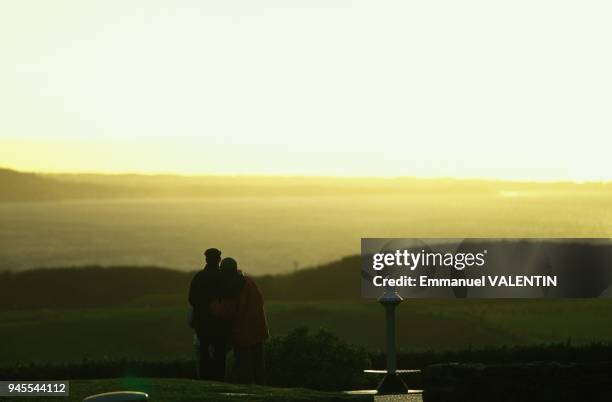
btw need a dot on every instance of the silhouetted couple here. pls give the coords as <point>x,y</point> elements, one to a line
<point>227,313</point>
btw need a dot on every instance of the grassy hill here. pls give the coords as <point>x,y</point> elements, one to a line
<point>155,332</point>
<point>115,286</point>
<point>106,315</point>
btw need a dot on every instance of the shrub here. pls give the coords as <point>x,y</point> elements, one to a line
<point>318,360</point>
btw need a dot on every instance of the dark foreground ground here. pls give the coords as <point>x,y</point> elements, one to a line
<point>180,390</point>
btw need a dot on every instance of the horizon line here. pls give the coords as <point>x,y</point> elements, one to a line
<point>304,176</point>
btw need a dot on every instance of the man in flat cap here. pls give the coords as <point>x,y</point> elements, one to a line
<point>212,332</point>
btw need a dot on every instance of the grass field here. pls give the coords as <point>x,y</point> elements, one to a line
<point>170,390</point>
<point>154,328</point>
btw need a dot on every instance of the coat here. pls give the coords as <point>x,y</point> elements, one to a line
<point>249,325</point>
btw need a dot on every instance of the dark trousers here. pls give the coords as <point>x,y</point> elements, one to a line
<point>250,364</point>
<point>211,365</point>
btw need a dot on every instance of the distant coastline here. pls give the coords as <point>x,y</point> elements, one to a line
<point>25,186</point>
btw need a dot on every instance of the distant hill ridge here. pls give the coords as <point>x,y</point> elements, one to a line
<point>20,186</point>
<point>17,186</point>
<point>115,286</point>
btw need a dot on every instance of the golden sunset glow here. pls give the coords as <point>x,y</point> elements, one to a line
<point>333,88</point>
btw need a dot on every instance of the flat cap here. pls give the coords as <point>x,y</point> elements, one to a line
<point>213,253</point>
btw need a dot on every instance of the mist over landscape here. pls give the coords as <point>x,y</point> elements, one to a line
<point>270,224</point>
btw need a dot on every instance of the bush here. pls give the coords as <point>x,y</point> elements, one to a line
<point>318,360</point>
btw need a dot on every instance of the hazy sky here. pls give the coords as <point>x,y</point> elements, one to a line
<point>515,89</point>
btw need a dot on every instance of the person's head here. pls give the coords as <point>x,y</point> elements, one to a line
<point>232,277</point>
<point>229,266</point>
<point>213,256</point>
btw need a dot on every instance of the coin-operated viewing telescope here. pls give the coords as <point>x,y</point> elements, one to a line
<point>391,384</point>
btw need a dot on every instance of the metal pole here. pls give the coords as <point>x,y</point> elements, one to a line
<point>391,350</point>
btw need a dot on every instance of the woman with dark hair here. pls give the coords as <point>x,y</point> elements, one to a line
<point>245,305</point>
